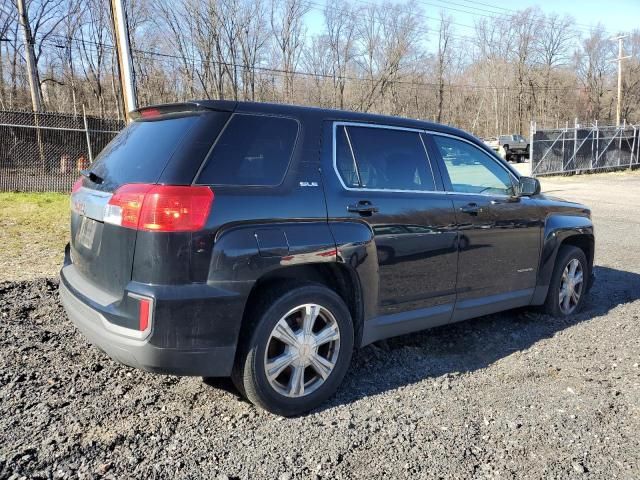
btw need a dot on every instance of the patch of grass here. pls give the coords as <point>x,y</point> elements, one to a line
<point>34,228</point>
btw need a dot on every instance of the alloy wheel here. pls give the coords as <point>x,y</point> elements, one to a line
<point>302,350</point>
<point>571,285</point>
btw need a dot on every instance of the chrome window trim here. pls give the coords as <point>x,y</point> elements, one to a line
<point>386,127</point>
<point>353,155</point>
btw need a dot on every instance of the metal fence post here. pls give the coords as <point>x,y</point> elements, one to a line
<point>633,147</point>
<point>623,129</point>
<point>532,132</point>
<point>597,142</point>
<point>638,145</point>
<point>575,143</point>
<point>564,137</point>
<point>86,130</point>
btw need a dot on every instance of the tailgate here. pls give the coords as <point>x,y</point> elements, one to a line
<point>102,253</point>
<point>149,151</point>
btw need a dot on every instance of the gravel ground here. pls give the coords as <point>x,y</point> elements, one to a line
<point>514,395</point>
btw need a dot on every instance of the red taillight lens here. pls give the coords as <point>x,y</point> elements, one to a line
<point>144,311</point>
<point>160,208</point>
<point>175,209</point>
<point>77,185</point>
<point>150,113</point>
<point>125,205</point>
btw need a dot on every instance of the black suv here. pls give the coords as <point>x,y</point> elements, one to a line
<point>266,242</point>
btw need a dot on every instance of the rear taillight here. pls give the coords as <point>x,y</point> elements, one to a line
<point>144,312</point>
<point>160,208</point>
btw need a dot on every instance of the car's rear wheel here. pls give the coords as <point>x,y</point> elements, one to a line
<point>568,283</point>
<point>297,352</point>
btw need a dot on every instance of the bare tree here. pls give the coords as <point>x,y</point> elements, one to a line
<point>8,21</point>
<point>444,59</point>
<point>387,35</point>
<point>253,38</point>
<point>94,39</point>
<point>554,41</point>
<point>340,20</point>
<point>68,29</point>
<point>371,56</point>
<point>593,67</point>
<point>631,78</point>
<point>289,34</point>
<point>525,25</point>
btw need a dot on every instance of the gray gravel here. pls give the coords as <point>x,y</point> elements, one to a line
<point>514,395</point>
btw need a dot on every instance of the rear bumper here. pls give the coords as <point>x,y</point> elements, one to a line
<point>201,345</point>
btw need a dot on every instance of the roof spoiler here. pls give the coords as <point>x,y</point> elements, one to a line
<point>153,111</point>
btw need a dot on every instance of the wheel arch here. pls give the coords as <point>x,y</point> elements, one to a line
<point>335,276</point>
<point>562,230</point>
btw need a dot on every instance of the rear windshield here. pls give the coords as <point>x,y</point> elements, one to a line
<point>140,152</point>
<point>252,150</point>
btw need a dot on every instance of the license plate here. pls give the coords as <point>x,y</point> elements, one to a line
<point>87,232</point>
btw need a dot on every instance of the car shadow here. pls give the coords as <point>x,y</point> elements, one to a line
<point>466,346</point>
<point>474,344</point>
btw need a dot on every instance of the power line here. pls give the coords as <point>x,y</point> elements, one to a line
<point>492,14</point>
<point>587,28</point>
<point>152,55</point>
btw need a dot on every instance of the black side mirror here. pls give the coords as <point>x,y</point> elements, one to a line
<point>528,187</point>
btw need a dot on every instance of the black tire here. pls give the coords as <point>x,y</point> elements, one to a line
<point>249,373</point>
<point>567,254</point>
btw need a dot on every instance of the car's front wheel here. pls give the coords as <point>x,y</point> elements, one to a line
<point>568,285</point>
<point>297,351</point>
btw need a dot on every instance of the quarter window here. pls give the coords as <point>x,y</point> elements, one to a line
<point>252,150</point>
<point>471,170</point>
<point>382,159</point>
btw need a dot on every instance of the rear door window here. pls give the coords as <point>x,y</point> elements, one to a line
<point>382,159</point>
<point>140,152</point>
<point>252,150</point>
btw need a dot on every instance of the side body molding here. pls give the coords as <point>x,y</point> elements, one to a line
<point>558,228</point>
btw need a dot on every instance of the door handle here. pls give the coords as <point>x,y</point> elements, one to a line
<point>471,209</point>
<point>363,207</point>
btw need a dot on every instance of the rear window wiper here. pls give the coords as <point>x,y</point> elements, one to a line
<point>94,177</point>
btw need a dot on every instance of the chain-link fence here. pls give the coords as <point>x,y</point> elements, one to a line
<point>43,152</point>
<point>582,149</point>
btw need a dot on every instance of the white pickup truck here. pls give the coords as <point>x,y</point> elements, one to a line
<point>510,147</point>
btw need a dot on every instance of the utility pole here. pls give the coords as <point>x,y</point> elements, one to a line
<point>619,60</point>
<point>125,65</point>
<point>34,82</point>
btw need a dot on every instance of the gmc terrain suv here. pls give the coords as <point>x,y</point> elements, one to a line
<point>266,242</point>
